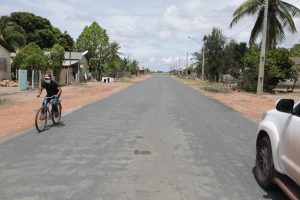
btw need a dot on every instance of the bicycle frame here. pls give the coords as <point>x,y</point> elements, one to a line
<point>46,112</point>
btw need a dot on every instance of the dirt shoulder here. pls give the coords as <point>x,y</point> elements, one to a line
<point>18,109</point>
<point>248,104</point>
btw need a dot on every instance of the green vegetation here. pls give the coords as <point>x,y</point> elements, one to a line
<point>3,101</point>
<point>41,46</point>
<point>124,80</point>
<point>30,57</point>
<point>280,17</point>
<point>227,57</point>
<point>278,67</point>
<point>207,85</point>
<point>214,87</point>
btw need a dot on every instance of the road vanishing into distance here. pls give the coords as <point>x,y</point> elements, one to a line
<point>156,140</point>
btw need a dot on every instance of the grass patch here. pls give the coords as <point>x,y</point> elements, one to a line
<point>3,101</point>
<point>208,86</point>
<point>124,80</point>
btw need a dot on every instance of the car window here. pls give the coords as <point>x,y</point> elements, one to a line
<point>297,110</point>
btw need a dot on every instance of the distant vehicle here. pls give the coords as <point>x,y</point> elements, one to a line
<point>278,148</point>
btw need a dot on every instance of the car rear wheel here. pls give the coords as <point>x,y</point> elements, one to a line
<point>264,168</point>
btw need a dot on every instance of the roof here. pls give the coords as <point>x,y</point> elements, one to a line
<point>66,63</point>
<point>6,46</point>
<point>296,60</point>
<point>74,55</point>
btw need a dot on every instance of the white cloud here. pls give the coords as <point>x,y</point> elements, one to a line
<point>153,32</point>
<point>168,60</point>
<point>174,21</point>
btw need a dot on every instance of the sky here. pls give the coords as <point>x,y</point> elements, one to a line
<point>159,34</point>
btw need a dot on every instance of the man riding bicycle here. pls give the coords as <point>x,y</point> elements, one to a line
<point>53,90</point>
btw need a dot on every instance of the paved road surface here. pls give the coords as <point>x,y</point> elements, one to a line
<point>157,140</point>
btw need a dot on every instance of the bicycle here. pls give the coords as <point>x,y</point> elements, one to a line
<point>46,112</point>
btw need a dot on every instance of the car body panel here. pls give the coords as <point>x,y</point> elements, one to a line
<point>283,130</point>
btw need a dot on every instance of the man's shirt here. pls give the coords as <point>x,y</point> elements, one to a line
<point>51,88</point>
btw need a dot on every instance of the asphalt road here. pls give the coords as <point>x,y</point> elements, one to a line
<point>156,140</point>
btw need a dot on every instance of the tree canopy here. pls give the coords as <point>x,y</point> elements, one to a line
<point>30,57</point>
<point>21,28</point>
<point>280,17</point>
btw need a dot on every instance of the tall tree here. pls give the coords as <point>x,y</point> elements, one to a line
<point>214,52</point>
<point>280,17</point>
<point>198,57</point>
<point>36,29</point>
<point>12,33</point>
<point>67,42</point>
<point>94,39</point>
<point>233,54</point>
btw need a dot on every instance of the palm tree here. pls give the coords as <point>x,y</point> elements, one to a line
<point>12,33</point>
<point>280,17</point>
<point>114,52</point>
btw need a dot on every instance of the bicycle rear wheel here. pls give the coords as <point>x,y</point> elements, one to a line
<point>56,117</point>
<point>41,119</point>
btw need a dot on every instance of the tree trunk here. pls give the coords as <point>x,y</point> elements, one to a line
<point>294,85</point>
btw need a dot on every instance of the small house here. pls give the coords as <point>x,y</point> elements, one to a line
<point>75,68</point>
<point>5,60</point>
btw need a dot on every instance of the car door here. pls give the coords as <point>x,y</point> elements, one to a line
<point>290,144</point>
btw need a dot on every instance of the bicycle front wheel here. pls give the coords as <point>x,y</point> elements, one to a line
<point>41,119</point>
<point>56,116</point>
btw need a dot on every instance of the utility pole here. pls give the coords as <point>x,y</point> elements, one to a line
<point>179,66</point>
<point>202,74</point>
<point>260,82</point>
<point>187,64</point>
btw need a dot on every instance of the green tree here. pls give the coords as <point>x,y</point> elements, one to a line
<point>248,80</point>
<point>278,68</point>
<point>214,53</point>
<point>45,38</point>
<point>198,57</point>
<point>67,42</point>
<point>30,57</point>
<point>12,33</point>
<point>295,50</point>
<point>134,67</point>
<point>94,39</point>
<point>280,17</point>
<point>55,59</point>
<point>30,22</point>
<point>234,53</point>
<point>38,29</point>
<point>113,60</point>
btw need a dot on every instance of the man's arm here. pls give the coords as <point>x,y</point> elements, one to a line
<point>39,92</point>
<point>58,93</point>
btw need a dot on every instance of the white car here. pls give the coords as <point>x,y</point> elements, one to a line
<point>278,147</point>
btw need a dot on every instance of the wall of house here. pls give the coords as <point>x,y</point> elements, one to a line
<point>5,64</point>
<point>84,68</point>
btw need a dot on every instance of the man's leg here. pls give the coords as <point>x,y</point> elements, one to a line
<point>45,102</point>
<point>54,106</point>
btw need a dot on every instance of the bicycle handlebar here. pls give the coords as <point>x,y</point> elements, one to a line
<point>46,97</point>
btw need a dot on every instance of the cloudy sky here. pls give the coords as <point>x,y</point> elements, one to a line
<point>157,33</point>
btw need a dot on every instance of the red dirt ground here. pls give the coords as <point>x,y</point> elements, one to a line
<point>17,114</point>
